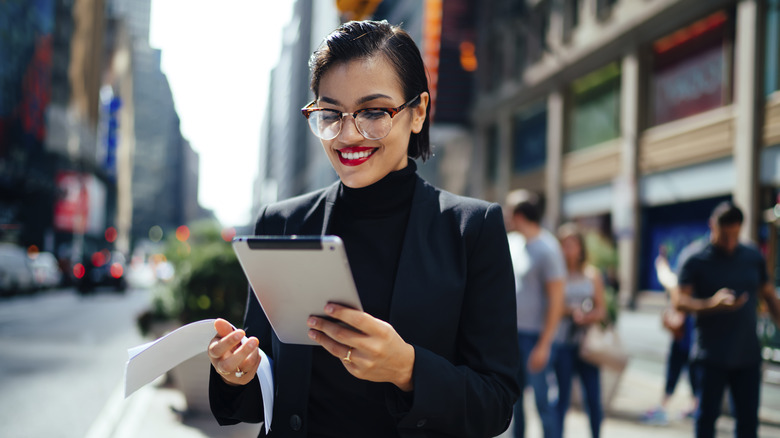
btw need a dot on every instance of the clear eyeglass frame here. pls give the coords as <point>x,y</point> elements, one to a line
<point>371,123</point>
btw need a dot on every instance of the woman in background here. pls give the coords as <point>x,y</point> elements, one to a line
<point>585,305</point>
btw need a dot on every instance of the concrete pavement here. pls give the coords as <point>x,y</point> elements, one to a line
<point>161,410</point>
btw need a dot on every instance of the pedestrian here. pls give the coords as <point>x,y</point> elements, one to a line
<point>539,280</point>
<point>436,354</point>
<point>585,304</point>
<point>721,285</point>
<point>681,328</point>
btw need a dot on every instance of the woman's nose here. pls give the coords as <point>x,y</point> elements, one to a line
<point>349,131</point>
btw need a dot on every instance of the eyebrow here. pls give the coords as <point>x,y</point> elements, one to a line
<point>360,101</point>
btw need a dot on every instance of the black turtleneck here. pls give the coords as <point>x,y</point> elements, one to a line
<point>372,222</point>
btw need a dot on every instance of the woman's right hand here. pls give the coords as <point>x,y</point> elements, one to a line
<point>231,358</point>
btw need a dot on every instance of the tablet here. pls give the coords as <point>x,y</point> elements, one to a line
<point>294,277</point>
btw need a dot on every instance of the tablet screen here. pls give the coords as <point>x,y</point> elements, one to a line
<point>294,277</point>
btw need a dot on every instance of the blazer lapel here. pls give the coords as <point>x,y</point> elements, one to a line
<point>330,201</point>
<point>405,305</point>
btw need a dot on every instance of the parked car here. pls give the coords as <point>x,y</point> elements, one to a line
<point>15,272</point>
<point>46,270</point>
<point>100,268</point>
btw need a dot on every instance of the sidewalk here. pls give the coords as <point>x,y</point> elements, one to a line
<point>158,410</point>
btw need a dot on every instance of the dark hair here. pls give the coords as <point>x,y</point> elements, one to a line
<point>572,230</point>
<point>364,39</point>
<point>726,213</point>
<point>527,203</point>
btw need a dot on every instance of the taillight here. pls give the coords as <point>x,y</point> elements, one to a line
<point>98,259</point>
<point>117,270</point>
<point>79,271</point>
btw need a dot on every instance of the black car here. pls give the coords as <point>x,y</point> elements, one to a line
<point>102,268</point>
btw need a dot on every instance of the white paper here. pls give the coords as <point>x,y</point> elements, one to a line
<point>148,361</point>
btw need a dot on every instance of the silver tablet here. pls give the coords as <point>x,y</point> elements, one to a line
<point>294,277</point>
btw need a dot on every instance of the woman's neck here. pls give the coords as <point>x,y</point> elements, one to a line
<point>383,197</point>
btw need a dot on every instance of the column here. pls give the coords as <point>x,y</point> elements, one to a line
<point>554,163</point>
<point>626,187</point>
<point>504,163</point>
<point>748,111</point>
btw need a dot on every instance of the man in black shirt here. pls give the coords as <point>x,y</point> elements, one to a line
<point>721,285</point>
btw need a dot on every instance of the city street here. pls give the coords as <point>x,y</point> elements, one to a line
<point>61,357</point>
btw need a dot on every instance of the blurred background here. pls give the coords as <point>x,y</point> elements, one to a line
<point>633,117</point>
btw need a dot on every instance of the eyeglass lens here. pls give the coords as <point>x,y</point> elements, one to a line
<point>373,125</point>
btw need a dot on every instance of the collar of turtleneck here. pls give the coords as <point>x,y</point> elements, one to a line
<point>389,195</point>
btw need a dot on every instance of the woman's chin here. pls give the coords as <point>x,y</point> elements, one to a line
<point>357,181</point>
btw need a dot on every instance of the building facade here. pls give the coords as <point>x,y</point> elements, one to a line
<point>636,117</point>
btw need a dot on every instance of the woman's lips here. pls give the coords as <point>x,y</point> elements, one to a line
<point>355,156</point>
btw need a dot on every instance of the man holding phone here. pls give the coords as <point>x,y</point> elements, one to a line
<point>721,285</point>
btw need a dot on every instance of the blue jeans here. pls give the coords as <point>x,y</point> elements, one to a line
<point>745,386</point>
<point>545,390</point>
<point>567,364</point>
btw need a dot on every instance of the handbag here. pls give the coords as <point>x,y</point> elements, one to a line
<point>601,346</point>
<point>674,321</point>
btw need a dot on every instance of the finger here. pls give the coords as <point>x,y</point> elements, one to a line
<point>223,327</point>
<point>221,346</point>
<point>333,347</point>
<point>355,318</point>
<point>334,330</point>
<point>234,361</point>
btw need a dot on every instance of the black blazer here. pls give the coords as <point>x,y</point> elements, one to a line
<point>453,300</point>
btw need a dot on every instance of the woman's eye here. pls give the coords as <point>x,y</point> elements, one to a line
<point>329,116</point>
<point>374,115</point>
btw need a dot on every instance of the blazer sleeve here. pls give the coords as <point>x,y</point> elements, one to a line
<point>473,396</point>
<point>235,404</point>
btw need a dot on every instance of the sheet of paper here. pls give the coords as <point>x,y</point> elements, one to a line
<point>148,361</point>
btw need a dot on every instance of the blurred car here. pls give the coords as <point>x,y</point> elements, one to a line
<point>15,272</point>
<point>46,270</point>
<point>98,269</point>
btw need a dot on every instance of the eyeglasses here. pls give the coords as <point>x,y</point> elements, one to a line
<point>372,123</point>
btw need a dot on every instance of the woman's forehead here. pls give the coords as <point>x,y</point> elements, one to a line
<point>353,81</point>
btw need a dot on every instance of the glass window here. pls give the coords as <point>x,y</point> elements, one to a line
<point>595,109</point>
<point>690,70</point>
<point>530,140</point>
<point>772,79</point>
<point>491,154</point>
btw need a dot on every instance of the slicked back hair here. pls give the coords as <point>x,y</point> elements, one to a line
<point>357,40</point>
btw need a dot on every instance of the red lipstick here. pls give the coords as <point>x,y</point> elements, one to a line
<point>355,156</point>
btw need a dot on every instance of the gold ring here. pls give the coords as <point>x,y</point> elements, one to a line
<point>224,373</point>
<point>347,358</point>
<point>239,373</point>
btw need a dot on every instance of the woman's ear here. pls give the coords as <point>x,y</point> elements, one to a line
<point>419,112</point>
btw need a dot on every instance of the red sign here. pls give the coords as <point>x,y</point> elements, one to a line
<point>689,87</point>
<point>72,208</point>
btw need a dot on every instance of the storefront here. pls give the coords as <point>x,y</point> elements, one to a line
<point>594,116</point>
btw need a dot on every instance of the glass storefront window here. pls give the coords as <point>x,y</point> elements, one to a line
<point>491,154</point>
<point>772,78</point>
<point>595,110</point>
<point>529,149</point>
<point>691,73</point>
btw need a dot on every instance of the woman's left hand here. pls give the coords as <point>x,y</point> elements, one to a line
<point>377,353</point>
<point>579,317</point>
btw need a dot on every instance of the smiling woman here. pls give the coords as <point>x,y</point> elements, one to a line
<point>435,352</point>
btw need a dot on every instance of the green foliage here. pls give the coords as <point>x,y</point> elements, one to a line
<point>603,255</point>
<point>209,281</point>
<point>214,287</point>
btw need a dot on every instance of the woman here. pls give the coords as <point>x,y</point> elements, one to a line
<point>437,355</point>
<point>585,305</point>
